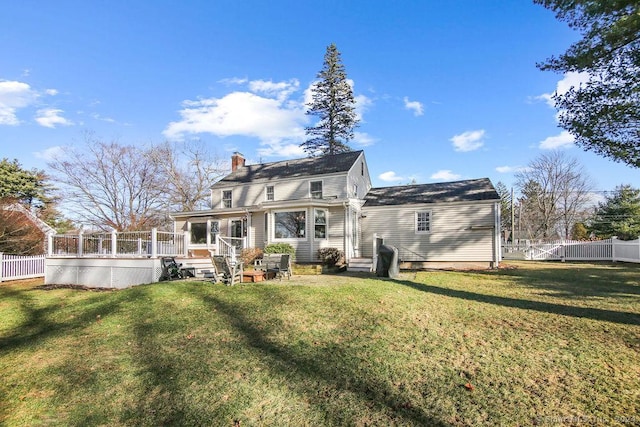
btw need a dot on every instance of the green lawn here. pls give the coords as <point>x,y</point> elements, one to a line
<point>533,343</point>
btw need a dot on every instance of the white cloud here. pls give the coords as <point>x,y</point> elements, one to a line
<point>234,81</point>
<point>570,79</point>
<point>363,139</point>
<point>468,141</point>
<point>415,106</point>
<point>390,176</point>
<point>102,118</point>
<point>563,140</point>
<point>510,169</point>
<point>50,153</point>
<point>275,148</point>
<point>13,96</point>
<point>51,92</point>
<point>240,113</point>
<point>51,117</point>
<point>445,175</point>
<point>266,110</point>
<point>281,90</point>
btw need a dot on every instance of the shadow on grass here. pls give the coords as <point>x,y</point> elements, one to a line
<point>576,280</point>
<point>621,317</point>
<point>42,321</point>
<point>331,367</point>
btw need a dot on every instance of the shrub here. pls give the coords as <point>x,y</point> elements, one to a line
<point>248,255</point>
<point>279,248</point>
<point>330,256</point>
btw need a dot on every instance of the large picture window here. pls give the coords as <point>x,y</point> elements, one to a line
<point>198,232</point>
<point>290,225</point>
<point>227,199</point>
<point>320,223</point>
<point>423,222</point>
<point>315,188</point>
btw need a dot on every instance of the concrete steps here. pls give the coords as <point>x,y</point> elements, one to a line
<point>360,265</point>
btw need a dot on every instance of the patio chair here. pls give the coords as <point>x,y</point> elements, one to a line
<point>284,269</point>
<point>170,269</point>
<point>230,273</point>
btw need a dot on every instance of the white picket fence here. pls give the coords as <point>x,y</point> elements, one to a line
<point>574,250</point>
<point>14,267</point>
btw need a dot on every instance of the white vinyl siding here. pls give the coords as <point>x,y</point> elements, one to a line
<point>450,239</point>
<point>253,194</point>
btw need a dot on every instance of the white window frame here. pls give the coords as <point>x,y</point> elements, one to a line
<point>223,199</point>
<point>417,222</point>
<point>210,240</point>
<point>294,239</point>
<point>326,224</point>
<point>266,193</point>
<point>321,190</point>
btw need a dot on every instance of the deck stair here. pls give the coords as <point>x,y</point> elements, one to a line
<point>360,265</point>
<point>202,265</point>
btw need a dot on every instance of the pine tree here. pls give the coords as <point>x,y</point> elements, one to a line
<point>333,103</point>
<point>619,215</point>
<point>604,113</point>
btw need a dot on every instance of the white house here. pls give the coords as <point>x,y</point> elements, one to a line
<point>327,201</point>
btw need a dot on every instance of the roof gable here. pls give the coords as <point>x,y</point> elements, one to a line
<point>457,191</point>
<point>43,226</point>
<point>297,168</point>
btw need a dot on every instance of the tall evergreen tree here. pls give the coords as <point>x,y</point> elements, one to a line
<point>618,215</point>
<point>604,113</point>
<point>333,103</point>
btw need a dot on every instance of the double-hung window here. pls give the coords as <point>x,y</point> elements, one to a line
<point>320,223</point>
<point>315,188</point>
<point>423,222</point>
<point>270,193</point>
<point>227,198</point>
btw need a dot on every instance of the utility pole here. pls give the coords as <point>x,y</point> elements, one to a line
<point>513,216</point>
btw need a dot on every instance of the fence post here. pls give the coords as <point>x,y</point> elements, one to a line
<point>80,243</point>
<point>1,266</point>
<point>154,242</point>
<point>613,248</point>
<point>114,243</point>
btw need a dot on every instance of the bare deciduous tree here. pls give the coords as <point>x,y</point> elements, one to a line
<point>109,185</point>
<point>124,187</point>
<point>189,169</point>
<point>555,191</point>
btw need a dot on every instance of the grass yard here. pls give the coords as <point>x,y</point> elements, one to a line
<point>534,343</point>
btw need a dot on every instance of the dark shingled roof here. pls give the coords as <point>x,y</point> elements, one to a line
<point>308,166</point>
<point>458,191</point>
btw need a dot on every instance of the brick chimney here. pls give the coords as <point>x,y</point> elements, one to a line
<point>237,161</point>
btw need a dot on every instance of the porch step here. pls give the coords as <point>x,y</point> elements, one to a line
<point>360,264</point>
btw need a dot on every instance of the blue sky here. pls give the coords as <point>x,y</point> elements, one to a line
<point>446,90</point>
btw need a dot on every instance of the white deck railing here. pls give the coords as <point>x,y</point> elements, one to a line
<point>230,246</point>
<point>150,244</point>
<point>15,267</point>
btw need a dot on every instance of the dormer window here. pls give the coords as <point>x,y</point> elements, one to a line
<point>227,199</point>
<point>316,189</point>
<point>270,193</point>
